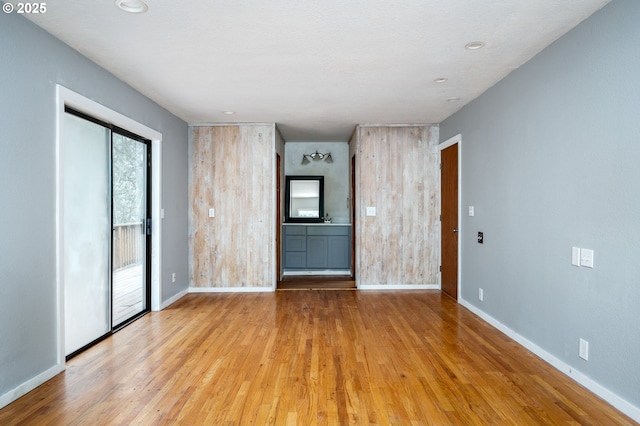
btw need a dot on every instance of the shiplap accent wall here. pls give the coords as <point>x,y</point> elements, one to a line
<point>397,173</point>
<point>233,170</point>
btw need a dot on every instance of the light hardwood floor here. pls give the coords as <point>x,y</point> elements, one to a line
<point>310,357</point>
<point>317,282</point>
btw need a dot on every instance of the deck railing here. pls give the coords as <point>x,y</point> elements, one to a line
<point>128,244</point>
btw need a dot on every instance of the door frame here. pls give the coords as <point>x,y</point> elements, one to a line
<point>352,179</point>
<point>278,220</point>
<point>457,139</point>
<point>67,97</point>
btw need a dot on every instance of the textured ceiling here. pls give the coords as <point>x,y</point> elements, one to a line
<point>317,68</point>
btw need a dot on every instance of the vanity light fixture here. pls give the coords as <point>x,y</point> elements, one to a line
<point>316,156</point>
<point>132,6</point>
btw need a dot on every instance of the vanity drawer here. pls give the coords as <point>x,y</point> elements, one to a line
<point>295,230</point>
<point>327,230</point>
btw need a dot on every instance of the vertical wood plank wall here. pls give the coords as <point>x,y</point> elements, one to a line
<point>397,172</point>
<point>232,169</point>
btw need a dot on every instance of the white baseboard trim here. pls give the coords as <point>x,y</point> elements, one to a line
<point>398,286</point>
<point>604,393</point>
<point>31,384</point>
<point>230,289</point>
<point>173,299</point>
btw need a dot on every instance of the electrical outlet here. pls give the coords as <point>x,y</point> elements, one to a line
<point>173,277</point>
<point>584,350</point>
<point>481,294</point>
<point>212,212</point>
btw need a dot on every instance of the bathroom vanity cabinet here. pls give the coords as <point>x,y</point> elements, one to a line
<point>313,247</point>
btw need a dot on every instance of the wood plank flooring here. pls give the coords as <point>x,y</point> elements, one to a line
<point>310,358</point>
<point>316,282</point>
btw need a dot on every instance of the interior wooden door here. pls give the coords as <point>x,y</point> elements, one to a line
<point>449,224</point>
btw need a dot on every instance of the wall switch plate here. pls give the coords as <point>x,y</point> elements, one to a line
<point>575,256</point>
<point>472,210</point>
<point>173,277</point>
<point>212,212</point>
<point>371,211</point>
<point>481,294</point>
<point>480,237</point>
<point>161,213</point>
<point>584,350</point>
<point>586,258</point>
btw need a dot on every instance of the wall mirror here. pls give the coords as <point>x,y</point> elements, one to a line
<point>304,199</point>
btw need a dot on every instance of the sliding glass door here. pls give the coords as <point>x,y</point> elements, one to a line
<point>130,203</point>
<point>105,249</point>
<point>86,153</point>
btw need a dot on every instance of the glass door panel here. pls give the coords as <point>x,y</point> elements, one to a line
<point>87,236</point>
<point>129,261</point>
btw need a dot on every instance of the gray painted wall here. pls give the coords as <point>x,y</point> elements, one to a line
<point>550,161</point>
<point>32,63</point>
<point>336,174</point>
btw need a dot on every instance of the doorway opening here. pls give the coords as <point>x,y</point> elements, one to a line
<point>315,245</point>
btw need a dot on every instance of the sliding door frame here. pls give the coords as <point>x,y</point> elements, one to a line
<point>71,99</point>
<point>148,236</point>
<point>115,130</point>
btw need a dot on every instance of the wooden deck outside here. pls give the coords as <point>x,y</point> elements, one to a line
<point>128,292</point>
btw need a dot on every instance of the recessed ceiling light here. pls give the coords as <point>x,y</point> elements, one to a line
<point>132,6</point>
<point>474,45</point>
<point>453,99</point>
<point>228,112</point>
<point>440,80</point>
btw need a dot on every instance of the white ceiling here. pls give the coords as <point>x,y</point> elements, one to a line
<point>315,67</point>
